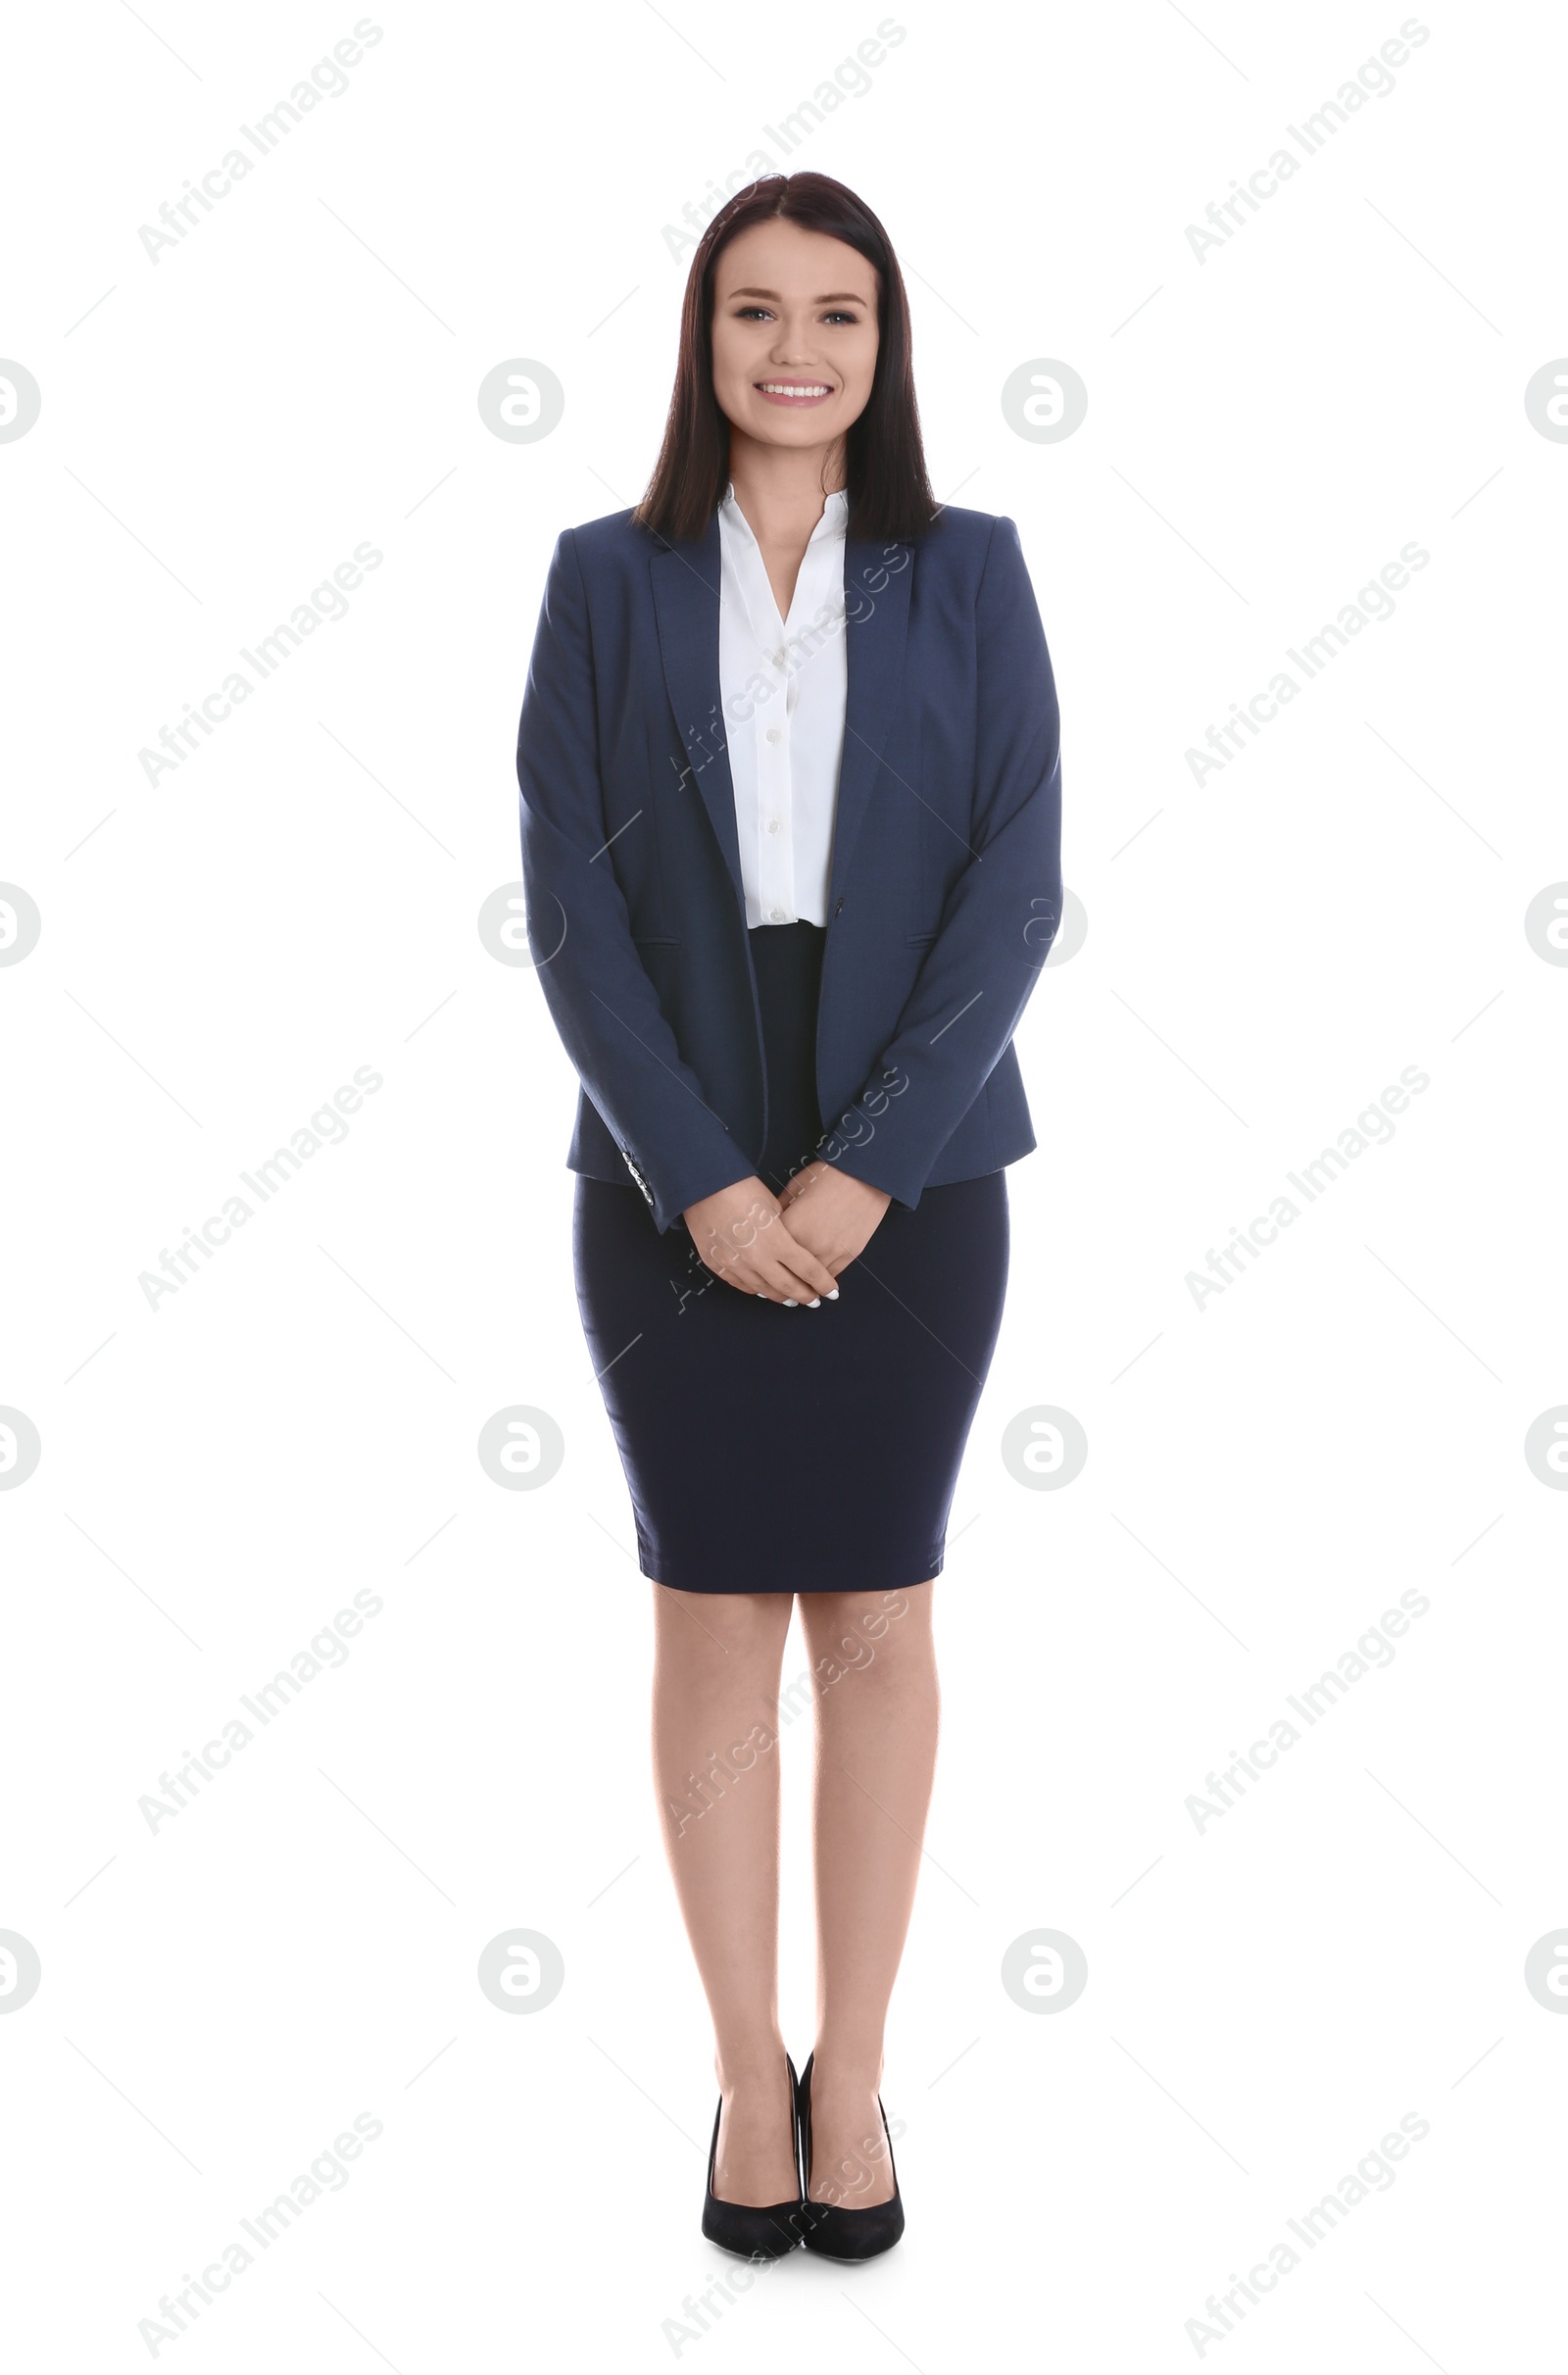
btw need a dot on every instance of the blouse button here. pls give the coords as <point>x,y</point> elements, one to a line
<point>772,824</point>
<point>772,733</point>
<point>775,914</point>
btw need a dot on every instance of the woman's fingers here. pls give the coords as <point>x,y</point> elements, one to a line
<point>801,1263</point>
<point>787,1273</point>
<point>748,1270</point>
<point>775,1266</point>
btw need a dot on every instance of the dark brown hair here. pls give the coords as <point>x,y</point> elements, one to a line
<point>890,494</point>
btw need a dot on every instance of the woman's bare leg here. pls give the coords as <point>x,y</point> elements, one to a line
<point>877,1707</point>
<point>716,1659</point>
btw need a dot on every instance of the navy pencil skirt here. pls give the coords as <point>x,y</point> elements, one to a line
<point>769,1450</point>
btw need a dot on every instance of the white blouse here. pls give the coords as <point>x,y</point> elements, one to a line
<point>783,686</point>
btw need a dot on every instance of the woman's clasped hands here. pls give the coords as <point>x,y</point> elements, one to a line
<point>788,1249</point>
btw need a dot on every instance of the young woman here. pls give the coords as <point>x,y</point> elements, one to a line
<point>791,844</point>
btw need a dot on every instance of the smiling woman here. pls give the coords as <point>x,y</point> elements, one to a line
<point>791,1004</point>
<point>855,315</point>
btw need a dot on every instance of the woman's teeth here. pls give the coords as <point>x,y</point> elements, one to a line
<point>781,387</point>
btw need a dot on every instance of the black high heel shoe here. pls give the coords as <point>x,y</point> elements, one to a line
<point>833,2232</point>
<point>738,2226</point>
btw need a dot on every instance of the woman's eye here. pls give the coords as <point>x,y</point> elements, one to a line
<point>762,312</point>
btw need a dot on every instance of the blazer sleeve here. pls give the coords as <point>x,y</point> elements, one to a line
<point>1000,915</point>
<point>599,994</point>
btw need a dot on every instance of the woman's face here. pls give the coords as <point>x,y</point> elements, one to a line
<point>793,309</point>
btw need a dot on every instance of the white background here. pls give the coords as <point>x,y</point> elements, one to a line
<point>1265,952</point>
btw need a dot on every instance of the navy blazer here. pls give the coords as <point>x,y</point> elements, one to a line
<point>946,883</point>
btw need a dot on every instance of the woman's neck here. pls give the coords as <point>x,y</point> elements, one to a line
<point>782,490</point>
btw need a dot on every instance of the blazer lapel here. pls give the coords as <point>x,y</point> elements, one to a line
<point>686,589</point>
<point>686,583</point>
<point>877,603</point>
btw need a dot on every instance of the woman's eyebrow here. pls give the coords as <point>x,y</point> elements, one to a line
<point>835,297</point>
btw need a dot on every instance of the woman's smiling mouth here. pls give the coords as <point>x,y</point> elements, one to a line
<point>792,391</point>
